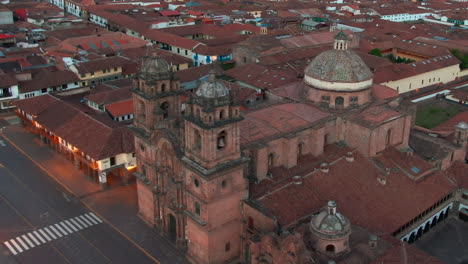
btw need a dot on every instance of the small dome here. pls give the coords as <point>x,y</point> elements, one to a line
<point>462,125</point>
<point>337,66</point>
<point>212,88</point>
<point>153,66</point>
<point>329,222</point>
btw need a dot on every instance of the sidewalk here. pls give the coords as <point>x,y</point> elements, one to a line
<point>118,205</point>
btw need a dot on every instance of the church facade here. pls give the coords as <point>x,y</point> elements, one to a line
<point>217,181</point>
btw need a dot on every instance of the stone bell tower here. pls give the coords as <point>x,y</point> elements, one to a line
<point>214,178</point>
<point>157,108</point>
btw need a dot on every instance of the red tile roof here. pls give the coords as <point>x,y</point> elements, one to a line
<point>120,108</point>
<point>356,181</point>
<point>86,133</point>
<point>277,120</point>
<point>169,13</point>
<point>383,92</point>
<point>400,71</point>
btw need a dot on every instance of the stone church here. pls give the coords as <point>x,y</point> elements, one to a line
<point>262,185</point>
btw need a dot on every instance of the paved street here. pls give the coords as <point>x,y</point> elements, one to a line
<point>72,221</point>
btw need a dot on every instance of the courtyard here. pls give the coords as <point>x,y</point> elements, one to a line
<point>448,241</point>
<point>432,113</point>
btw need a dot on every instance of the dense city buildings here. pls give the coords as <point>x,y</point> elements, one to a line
<point>236,131</point>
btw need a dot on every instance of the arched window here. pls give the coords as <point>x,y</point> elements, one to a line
<point>165,110</point>
<point>221,115</point>
<point>163,88</point>
<point>330,248</point>
<point>197,208</point>
<point>270,160</point>
<point>221,140</point>
<point>388,139</point>
<point>142,110</point>
<point>339,101</point>
<point>300,149</point>
<point>196,140</point>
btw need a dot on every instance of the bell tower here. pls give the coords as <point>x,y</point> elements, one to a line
<point>156,100</point>
<point>214,178</point>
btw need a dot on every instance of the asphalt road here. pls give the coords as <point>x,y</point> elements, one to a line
<point>41,222</point>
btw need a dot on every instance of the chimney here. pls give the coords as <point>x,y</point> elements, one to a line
<point>297,180</point>
<point>324,167</point>
<point>382,180</point>
<point>373,241</point>
<point>349,156</point>
<point>331,207</point>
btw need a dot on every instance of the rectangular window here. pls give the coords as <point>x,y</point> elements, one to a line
<point>133,154</point>
<point>92,74</point>
<point>112,161</point>
<point>197,208</point>
<point>116,69</point>
<point>83,75</point>
<point>44,90</point>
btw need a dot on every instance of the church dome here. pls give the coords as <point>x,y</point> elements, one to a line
<point>154,67</point>
<point>329,222</point>
<point>338,69</point>
<point>212,88</point>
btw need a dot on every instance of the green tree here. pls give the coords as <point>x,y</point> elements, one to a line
<point>376,52</point>
<point>462,57</point>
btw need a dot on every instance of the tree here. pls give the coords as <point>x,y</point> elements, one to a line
<point>376,52</point>
<point>462,57</point>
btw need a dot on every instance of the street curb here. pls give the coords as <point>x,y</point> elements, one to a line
<point>73,194</point>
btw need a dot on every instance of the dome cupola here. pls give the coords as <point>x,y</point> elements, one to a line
<point>153,67</point>
<point>338,78</point>
<point>330,230</point>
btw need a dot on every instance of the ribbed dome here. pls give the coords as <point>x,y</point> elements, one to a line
<point>329,222</point>
<point>338,66</point>
<point>212,88</point>
<point>153,66</point>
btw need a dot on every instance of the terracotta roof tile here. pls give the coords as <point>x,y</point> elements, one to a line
<point>120,108</point>
<point>277,120</point>
<point>356,181</point>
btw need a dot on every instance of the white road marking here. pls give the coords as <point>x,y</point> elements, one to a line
<point>66,227</point>
<point>95,217</point>
<point>55,231</point>
<point>86,220</point>
<point>61,229</point>
<point>91,219</point>
<point>76,223</point>
<point>40,238</point>
<point>50,233</point>
<point>81,222</point>
<point>16,245</point>
<point>34,239</point>
<point>70,225</point>
<point>28,241</point>
<point>22,243</point>
<point>12,250</point>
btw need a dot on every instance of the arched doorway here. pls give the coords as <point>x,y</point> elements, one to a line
<point>172,227</point>
<point>330,248</point>
<point>339,102</point>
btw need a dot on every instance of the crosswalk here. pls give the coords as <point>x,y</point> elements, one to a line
<point>46,234</point>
